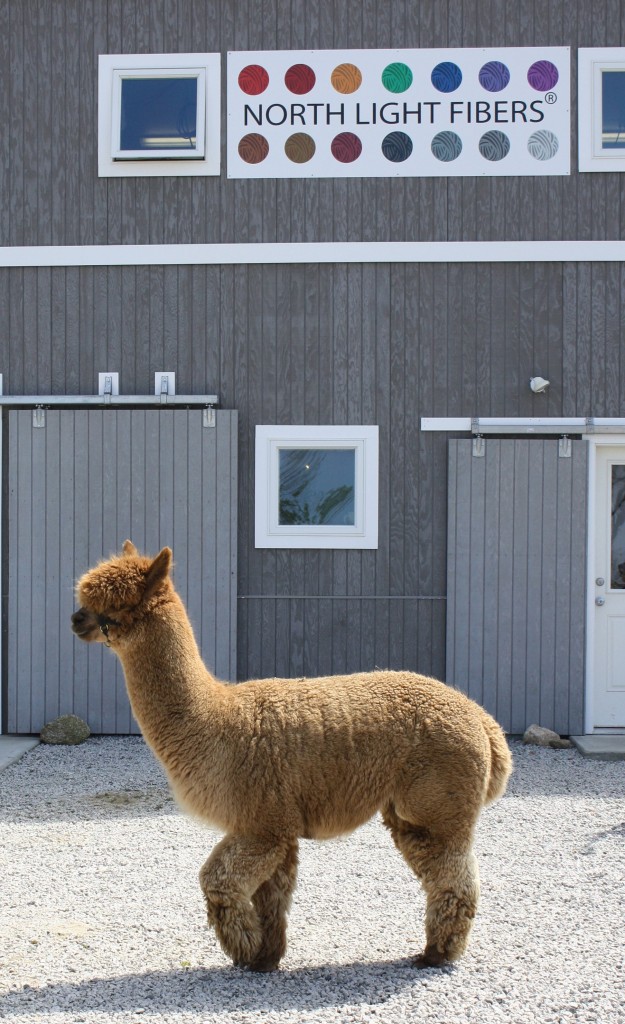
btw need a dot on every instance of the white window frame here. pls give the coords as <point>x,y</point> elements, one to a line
<point>270,533</point>
<point>592,62</point>
<point>205,159</point>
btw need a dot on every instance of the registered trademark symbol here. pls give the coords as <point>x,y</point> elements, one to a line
<point>551,97</point>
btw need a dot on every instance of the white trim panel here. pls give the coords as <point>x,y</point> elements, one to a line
<point>311,252</point>
<point>444,423</point>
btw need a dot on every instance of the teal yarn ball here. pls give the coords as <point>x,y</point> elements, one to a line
<point>397,77</point>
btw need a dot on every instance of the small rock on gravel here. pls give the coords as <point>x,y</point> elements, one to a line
<point>541,737</point>
<point>68,729</point>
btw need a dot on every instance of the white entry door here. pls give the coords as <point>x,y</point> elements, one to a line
<point>608,702</point>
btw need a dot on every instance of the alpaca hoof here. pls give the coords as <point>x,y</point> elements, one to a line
<point>430,957</point>
<point>261,966</point>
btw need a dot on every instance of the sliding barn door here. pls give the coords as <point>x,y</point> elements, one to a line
<point>516,579</point>
<point>79,483</point>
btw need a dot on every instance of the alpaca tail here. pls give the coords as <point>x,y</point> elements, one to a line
<point>500,760</point>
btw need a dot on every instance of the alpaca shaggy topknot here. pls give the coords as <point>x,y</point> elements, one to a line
<point>273,761</point>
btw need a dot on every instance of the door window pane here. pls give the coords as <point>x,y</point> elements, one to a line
<point>158,113</point>
<point>613,110</point>
<point>317,487</point>
<point>618,528</point>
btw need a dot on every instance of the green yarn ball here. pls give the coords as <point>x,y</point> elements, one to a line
<point>397,77</point>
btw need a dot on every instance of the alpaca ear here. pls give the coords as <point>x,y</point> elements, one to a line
<point>129,549</point>
<point>158,571</point>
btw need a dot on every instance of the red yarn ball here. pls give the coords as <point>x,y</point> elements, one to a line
<point>300,78</point>
<point>253,79</point>
<point>346,147</point>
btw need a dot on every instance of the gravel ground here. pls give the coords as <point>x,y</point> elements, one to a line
<point>102,917</point>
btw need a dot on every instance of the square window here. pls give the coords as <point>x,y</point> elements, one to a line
<point>316,487</point>
<point>159,114</point>
<point>613,109</point>
<point>602,109</point>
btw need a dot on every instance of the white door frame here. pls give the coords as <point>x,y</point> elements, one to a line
<point>594,441</point>
<point>2,677</point>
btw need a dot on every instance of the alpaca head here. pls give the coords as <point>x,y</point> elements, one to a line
<point>114,594</point>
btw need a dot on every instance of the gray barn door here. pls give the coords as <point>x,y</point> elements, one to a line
<point>77,487</point>
<point>516,576</point>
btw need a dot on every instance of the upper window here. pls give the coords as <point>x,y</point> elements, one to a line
<point>316,487</point>
<point>159,114</point>
<point>602,109</point>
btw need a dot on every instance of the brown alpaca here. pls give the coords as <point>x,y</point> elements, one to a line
<point>271,761</point>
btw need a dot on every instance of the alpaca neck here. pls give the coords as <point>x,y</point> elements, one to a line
<point>170,688</point>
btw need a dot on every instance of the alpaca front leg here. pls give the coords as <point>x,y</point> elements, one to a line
<point>236,868</point>
<point>272,901</point>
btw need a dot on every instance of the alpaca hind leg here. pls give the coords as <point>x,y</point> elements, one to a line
<point>448,872</point>
<point>236,868</point>
<point>272,901</point>
<point>452,886</point>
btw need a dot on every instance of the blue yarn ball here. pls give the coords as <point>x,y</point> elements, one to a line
<point>446,77</point>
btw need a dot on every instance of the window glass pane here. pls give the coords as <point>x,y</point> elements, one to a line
<point>613,110</point>
<point>317,486</point>
<point>158,113</point>
<point>618,528</point>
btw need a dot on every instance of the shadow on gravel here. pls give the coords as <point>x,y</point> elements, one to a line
<point>228,989</point>
<point>114,803</point>
<point>616,832</point>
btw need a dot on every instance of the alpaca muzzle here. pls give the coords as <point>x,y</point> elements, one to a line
<point>85,622</point>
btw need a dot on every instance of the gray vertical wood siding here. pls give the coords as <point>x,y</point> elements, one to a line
<point>516,559</point>
<point>383,344</point>
<point>76,488</point>
<point>50,193</point>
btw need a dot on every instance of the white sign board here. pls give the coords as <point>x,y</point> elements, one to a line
<point>385,113</point>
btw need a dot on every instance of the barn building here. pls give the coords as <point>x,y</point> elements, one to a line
<point>328,296</point>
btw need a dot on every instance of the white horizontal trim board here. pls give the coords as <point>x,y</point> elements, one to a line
<point>311,252</point>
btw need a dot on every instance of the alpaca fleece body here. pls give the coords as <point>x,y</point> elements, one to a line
<point>271,761</point>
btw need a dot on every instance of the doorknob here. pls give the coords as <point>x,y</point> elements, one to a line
<point>600,601</point>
